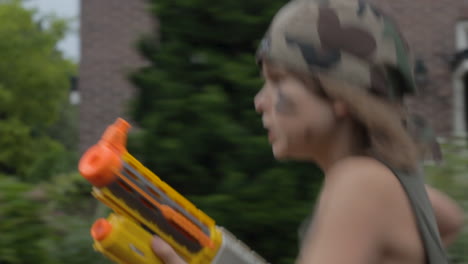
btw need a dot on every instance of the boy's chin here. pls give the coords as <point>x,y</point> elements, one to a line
<point>280,154</point>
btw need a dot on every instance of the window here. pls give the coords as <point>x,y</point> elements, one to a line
<point>461,35</point>
<point>460,82</point>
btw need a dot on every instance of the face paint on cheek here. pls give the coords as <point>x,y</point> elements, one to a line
<point>285,105</point>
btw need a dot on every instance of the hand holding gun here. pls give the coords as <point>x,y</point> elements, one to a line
<point>144,206</point>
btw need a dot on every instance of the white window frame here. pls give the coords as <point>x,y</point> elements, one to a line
<point>461,35</point>
<point>459,105</point>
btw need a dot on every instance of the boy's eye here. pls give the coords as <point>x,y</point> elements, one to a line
<point>277,78</point>
<point>274,75</point>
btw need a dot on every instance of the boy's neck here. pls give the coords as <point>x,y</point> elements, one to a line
<point>347,140</point>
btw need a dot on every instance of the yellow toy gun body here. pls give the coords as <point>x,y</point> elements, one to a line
<point>144,206</point>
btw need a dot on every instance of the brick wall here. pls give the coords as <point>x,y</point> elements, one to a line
<point>109,29</point>
<point>429,26</point>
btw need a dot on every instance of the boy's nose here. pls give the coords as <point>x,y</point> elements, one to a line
<point>259,101</point>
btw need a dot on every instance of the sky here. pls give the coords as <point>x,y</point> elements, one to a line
<point>68,9</point>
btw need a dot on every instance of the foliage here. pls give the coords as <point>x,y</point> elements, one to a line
<point>451,177</point>
<point>199,130</point>
<point>34,79</point>
<point>69,214</point>
<point>20,224</point>
<point>46,209</point>
<point>48,223</point>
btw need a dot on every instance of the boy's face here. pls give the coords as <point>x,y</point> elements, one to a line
<point>300,122</point>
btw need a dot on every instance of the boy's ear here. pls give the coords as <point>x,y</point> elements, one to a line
<point>340,108</point>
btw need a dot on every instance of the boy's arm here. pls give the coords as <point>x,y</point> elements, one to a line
<point>448,213</point>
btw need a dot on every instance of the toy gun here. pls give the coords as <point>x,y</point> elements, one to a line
<point>143,206</point>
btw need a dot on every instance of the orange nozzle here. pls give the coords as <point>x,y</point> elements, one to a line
<point>99,163</point>
<point>101,229</point>
<point>116,135</point>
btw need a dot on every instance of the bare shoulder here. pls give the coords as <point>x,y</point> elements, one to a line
<point>367,182</point>
<point>353,216</point>
<point>360,174</point>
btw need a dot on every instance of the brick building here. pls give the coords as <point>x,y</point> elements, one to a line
<point>109,31</point>
<point>436,29</point>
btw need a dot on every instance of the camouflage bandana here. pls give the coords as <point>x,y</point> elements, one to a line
<point>348,40</point>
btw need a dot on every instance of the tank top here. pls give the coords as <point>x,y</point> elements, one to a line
<point>413,185</point>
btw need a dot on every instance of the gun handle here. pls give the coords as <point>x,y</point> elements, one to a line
<point>123,241</point>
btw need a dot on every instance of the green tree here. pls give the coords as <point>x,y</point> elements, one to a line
<point>34,80</point>
<point>21,224</point>
<point>47,222</point>
<point>199,130</point>
<point>69,214</point>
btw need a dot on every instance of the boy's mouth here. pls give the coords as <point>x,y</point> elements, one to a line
<point>271,136</point>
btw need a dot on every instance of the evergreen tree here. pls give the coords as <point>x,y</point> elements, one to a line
<point>199,130</point>
<point>21,225</point>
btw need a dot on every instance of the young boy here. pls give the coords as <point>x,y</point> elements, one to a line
<point>335,72</point>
